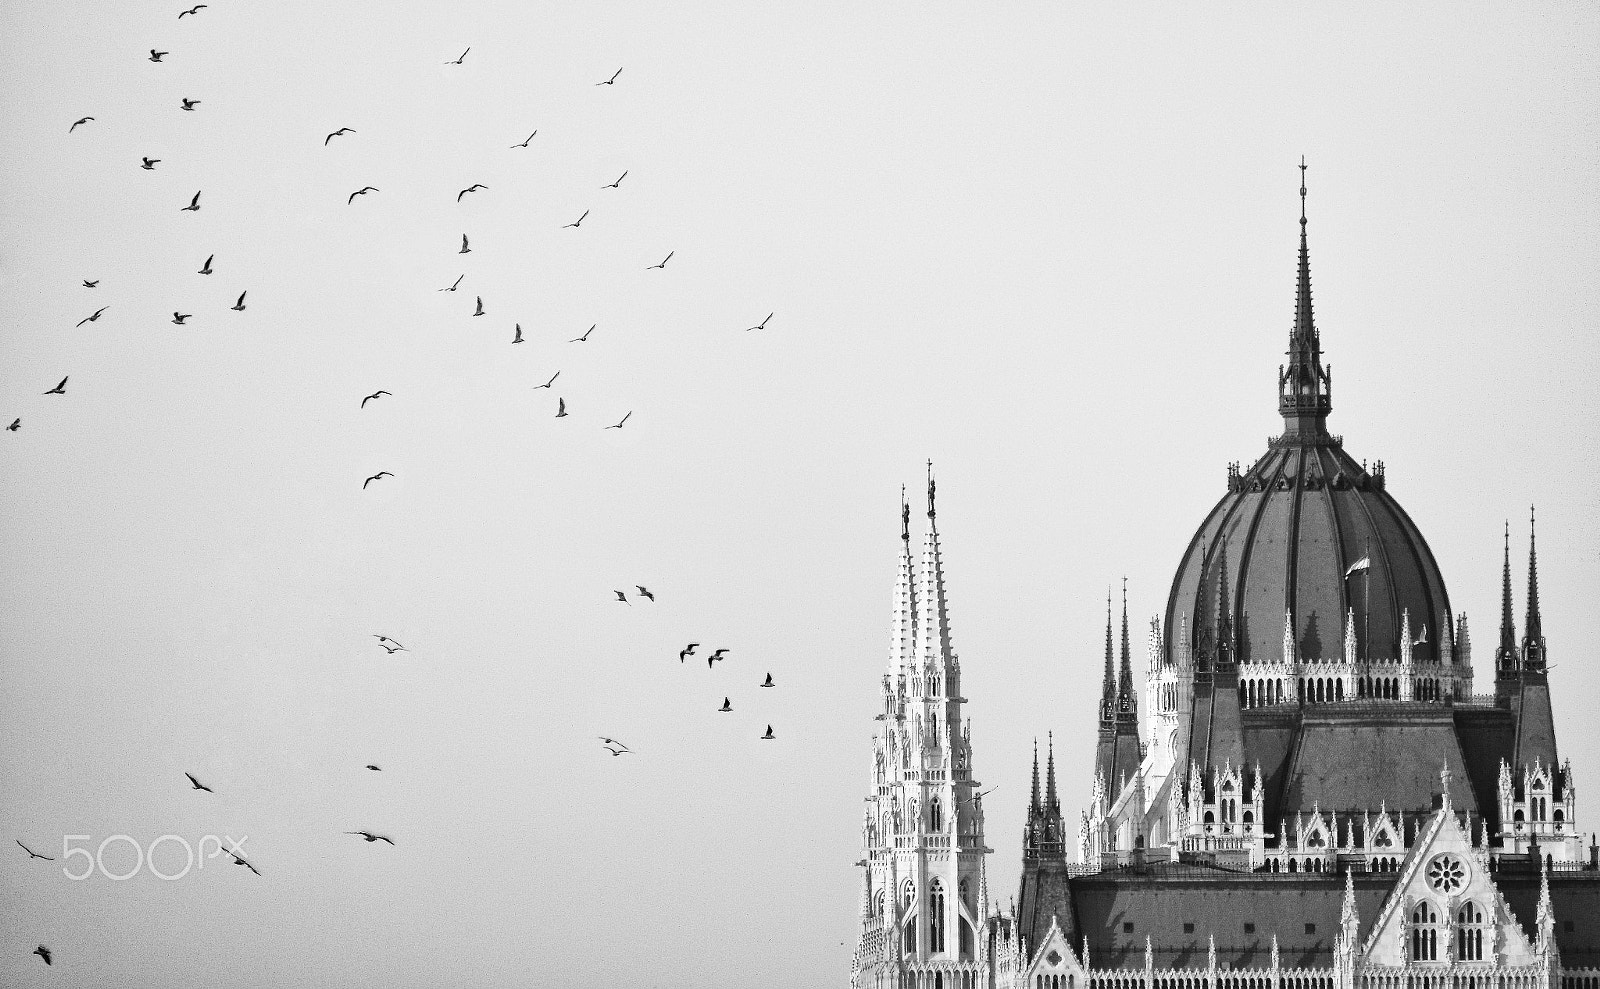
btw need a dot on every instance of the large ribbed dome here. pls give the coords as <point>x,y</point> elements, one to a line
<point>1289,530</point>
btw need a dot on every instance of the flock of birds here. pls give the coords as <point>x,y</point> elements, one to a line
<point>389,644</point>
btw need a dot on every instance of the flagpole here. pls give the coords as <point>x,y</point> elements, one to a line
<point>1366,605</point>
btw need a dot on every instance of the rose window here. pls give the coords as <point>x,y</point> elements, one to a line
<point>1447,874</point>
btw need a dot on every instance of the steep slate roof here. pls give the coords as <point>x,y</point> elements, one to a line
<point>1358,755</point>
<point>1575,899</point>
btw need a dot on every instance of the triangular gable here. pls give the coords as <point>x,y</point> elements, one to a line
<point>1444,869</point>
<point>1054,957</point>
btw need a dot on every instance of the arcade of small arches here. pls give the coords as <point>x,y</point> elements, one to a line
<point>1301,689</point>
<point>1430,933</point>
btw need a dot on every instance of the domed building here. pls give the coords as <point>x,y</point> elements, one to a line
<point>1315,798</point>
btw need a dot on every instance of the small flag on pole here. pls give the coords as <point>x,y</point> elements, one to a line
<point>1365,563</point>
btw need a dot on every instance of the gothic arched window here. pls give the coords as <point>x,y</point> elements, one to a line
<point>1470,930</point>
<point>877,907</point>
<point>1424,933</point>
<point>935,815</point>
<point>936,916</point>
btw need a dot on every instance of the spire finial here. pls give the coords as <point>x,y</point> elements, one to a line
<point>930,489</point>
<point>1506,655</point>
<point>1302,190</point>
<point>1125,702</point>
<point>1033,805</point>
<point>1108,686</point>
<point>905,516</point>
<point>1051,804</point>
<point>1533,628</point>
<point>1304,387</point>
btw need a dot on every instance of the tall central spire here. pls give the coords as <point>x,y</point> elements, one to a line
<point>1533,628</point>
<point>1305,387</point>
<point>1505,658</point>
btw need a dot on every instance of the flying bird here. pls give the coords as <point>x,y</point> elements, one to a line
<point>239,306</point>
<point>192,10</point>
<point>384,641</point>
<point>759,326</point>
<point>577,221</point>
<point>617,183</point>
<point>480,307</point>
<point>547,384</point>
<point>88,284</point>
<point>372,837</point>
<point>44,953</point>
<point>458,61</point>
<point>715,657</point>
<point>585,336</point>
<point>474,187</point>
<point>612,80</point>
<point>768,735</point>
<point>645,591</point>
<point>525,143</point>
<point>381,473</point>
<point>623,598</point>
<point>561,407</point>
<point>189,104</point>
<point>149,163</point>
<point>769,682</point>
<point>726,707</point>
<point>205,269</point>
<point>687,651</point>
<point>612,741</point>
<point>618,751</point>
<point>80,120</point>
<point>239,860</point>
<point>60,389</point>
<point>194,204</point>
<point>464,248</point>
<point>33,854</point>
<point>374,395</point>
<point>361,192</point>
<point>664,261</point>
<point>391,650</point>
<point>518,337</point>
<point>16,424</point>
<point>197,784</point>
<point>452,288</point>
<point>181,318</point>
<point>97,312</point>
<point>624,419</point>
<point>342,130</point>
<point>155,56</point>
<point>376,769</point>
<point>1424,638</point>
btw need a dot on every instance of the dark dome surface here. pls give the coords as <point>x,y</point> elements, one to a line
<point>1290,528</point>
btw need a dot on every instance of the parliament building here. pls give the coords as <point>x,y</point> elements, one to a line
<point>1317,793</point>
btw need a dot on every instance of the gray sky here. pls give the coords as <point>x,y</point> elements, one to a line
<point>1049,246</point>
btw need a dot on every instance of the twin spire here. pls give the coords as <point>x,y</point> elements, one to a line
<point>920,629</point>
<point>1509,659</point>
<point>1118,703</point>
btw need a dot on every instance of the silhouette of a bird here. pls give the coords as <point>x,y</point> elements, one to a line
<point>577,221</point>
<point>149,163</point>
<point>60,389</point>
<point>518,337</point>
<point>88,284</point>
<point>189,104</point>
<point>239,306</point>
<point>547,384</point>
<point>759,326</point>
<point>464,248</point>
<point>769,682</point>
<point>16,424</point>
<point>155,56</point>
<point>768,735</point>
<point>623,598</point>
<point>1424,639</point>
<point>452,288</point>
<point>458,61</point>
<point>612,80</point>
<point>726,707</point>
<point>181,318</point>
<point>361,192</point>
<point>585,337</point>
<point>384,640</point>
<point>480,307</point>
<point>33,854</point>
<point>687,651</point>
<point>645,591</point>
<point>618,751</point>
<point>239,860</point>
<point>376,769</point>
<point>342,130</point>
<point>561,407</point>
<point>381,473</point>
<point>44,953</point>
<point>97,312</point>
<point>205,269</point>
<point>612,741</point>
<point>80,120</point>
<point>374,395</point>
<point>617,183</point>
<point>716,657</point>
<point>197,784</point>
<point>664,261</point>
<point>192,10</point>
<point>624,419</point>
<point>474,187</point>
<point>194,204</point>
<point>525,143</point>
<point>369,836</point>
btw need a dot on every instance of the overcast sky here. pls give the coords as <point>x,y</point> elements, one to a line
<point>1049,246</point>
